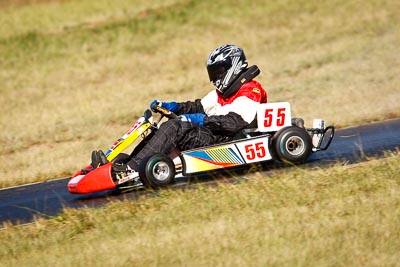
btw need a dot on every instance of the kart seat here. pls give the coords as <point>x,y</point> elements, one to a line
<point>248,131</point>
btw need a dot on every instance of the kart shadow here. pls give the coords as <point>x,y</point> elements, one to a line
<point>231,175</point>
<point>213,178</point>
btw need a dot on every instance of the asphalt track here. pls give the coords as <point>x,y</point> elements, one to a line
<point>22,204</point>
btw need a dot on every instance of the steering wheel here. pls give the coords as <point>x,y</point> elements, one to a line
<point>165,112</point>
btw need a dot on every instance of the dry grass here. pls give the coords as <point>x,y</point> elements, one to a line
<point>340,216</point>
<point>75,74</point>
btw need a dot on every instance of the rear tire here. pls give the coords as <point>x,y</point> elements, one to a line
<point>291,145</point>
<point>157,171</point>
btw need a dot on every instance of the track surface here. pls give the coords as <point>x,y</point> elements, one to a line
<point>354,144</point>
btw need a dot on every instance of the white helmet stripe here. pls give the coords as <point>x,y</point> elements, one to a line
<point>230,72</point>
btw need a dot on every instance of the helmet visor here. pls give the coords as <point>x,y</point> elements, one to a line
<point>216,72</point>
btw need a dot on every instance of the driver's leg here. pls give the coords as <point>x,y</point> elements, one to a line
<point>175,134</point>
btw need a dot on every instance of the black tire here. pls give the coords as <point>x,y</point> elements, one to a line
<point>157,171</point>
<point>121,158</point>
<point>291,145</point>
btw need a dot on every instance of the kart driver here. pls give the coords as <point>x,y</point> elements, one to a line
<point>215,118</point>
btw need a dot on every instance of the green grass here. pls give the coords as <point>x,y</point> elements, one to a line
<point>338,216</point>
<point>75,74</point>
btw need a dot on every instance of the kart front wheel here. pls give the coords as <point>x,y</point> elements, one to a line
<point>292,144</point>
<point>157,171</point>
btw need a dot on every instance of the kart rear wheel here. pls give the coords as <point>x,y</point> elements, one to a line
<point>157,171</point>
<point>292,145</point>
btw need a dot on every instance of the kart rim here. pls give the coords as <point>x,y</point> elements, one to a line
<point>161,171</point>
<point>295,145</point>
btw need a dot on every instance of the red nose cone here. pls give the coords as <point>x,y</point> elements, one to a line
<point>97,180</point>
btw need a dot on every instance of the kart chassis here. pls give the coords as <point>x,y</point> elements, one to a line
<point>276,137</point>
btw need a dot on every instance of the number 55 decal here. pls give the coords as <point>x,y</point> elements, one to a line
<point>255,150</point>
<point>273,116</point>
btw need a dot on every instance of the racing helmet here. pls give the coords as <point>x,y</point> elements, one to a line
<point>224,65</point>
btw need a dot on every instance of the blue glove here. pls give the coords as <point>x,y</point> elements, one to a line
<point>197,118</point>
<point>171,106</point>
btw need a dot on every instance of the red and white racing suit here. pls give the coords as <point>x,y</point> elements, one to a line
<point>225,117</point>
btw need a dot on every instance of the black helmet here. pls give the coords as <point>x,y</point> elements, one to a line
<point>224,65</point>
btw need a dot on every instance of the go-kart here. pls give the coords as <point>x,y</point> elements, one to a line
<point>276,136</point>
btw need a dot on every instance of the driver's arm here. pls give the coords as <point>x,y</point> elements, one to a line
<point>190,107</point>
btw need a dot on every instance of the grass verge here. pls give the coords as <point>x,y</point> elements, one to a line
<point>338,216</point>
<point>75,74</point>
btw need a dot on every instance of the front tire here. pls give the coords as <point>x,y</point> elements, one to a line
<point>292,144</point>
<point>157,171</point>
